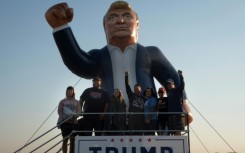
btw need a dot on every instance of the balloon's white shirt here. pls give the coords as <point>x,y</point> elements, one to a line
<point>122,62</point>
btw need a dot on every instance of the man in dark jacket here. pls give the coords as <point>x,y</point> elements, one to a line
<point>175,100</point>
<point>94,100</point>
<point>136,105</point>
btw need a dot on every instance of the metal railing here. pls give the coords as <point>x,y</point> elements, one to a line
<point>127,132</point>
<point>31,142</point>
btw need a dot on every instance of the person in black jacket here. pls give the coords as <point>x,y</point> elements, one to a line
<point>175,100</point>
<point>94,100</point>
<point>136,105</point>
<point>119,107</point>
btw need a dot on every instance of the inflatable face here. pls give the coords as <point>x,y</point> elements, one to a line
<point>121,24</point>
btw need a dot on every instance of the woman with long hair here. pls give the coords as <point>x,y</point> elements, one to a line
<point>150,109</point>
<point>118,106</point>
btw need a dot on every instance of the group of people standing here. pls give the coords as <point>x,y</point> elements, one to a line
<point>143,114</point>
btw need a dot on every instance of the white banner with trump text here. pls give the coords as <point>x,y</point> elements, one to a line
<point>131,144</point>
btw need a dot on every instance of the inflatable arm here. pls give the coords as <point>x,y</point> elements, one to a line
<point>162,69</point>
<point>77,60</point>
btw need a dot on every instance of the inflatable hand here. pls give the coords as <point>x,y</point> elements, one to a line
<point>187,109</point>
<point>58,15</point>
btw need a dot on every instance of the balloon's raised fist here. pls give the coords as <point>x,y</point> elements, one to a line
<point>58,15</point>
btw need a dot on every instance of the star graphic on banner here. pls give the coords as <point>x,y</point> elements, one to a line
<point>149,139</point>
<point>140,140</point>
<point>112,140</point>
<point>130,140</point>
<point>121,140</point>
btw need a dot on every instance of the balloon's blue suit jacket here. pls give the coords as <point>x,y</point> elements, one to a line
<point>150,62</point>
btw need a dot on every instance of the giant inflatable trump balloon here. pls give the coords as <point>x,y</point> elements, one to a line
<point>121,53</point>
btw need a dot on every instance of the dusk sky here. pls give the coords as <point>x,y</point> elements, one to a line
<point>204,39</point>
